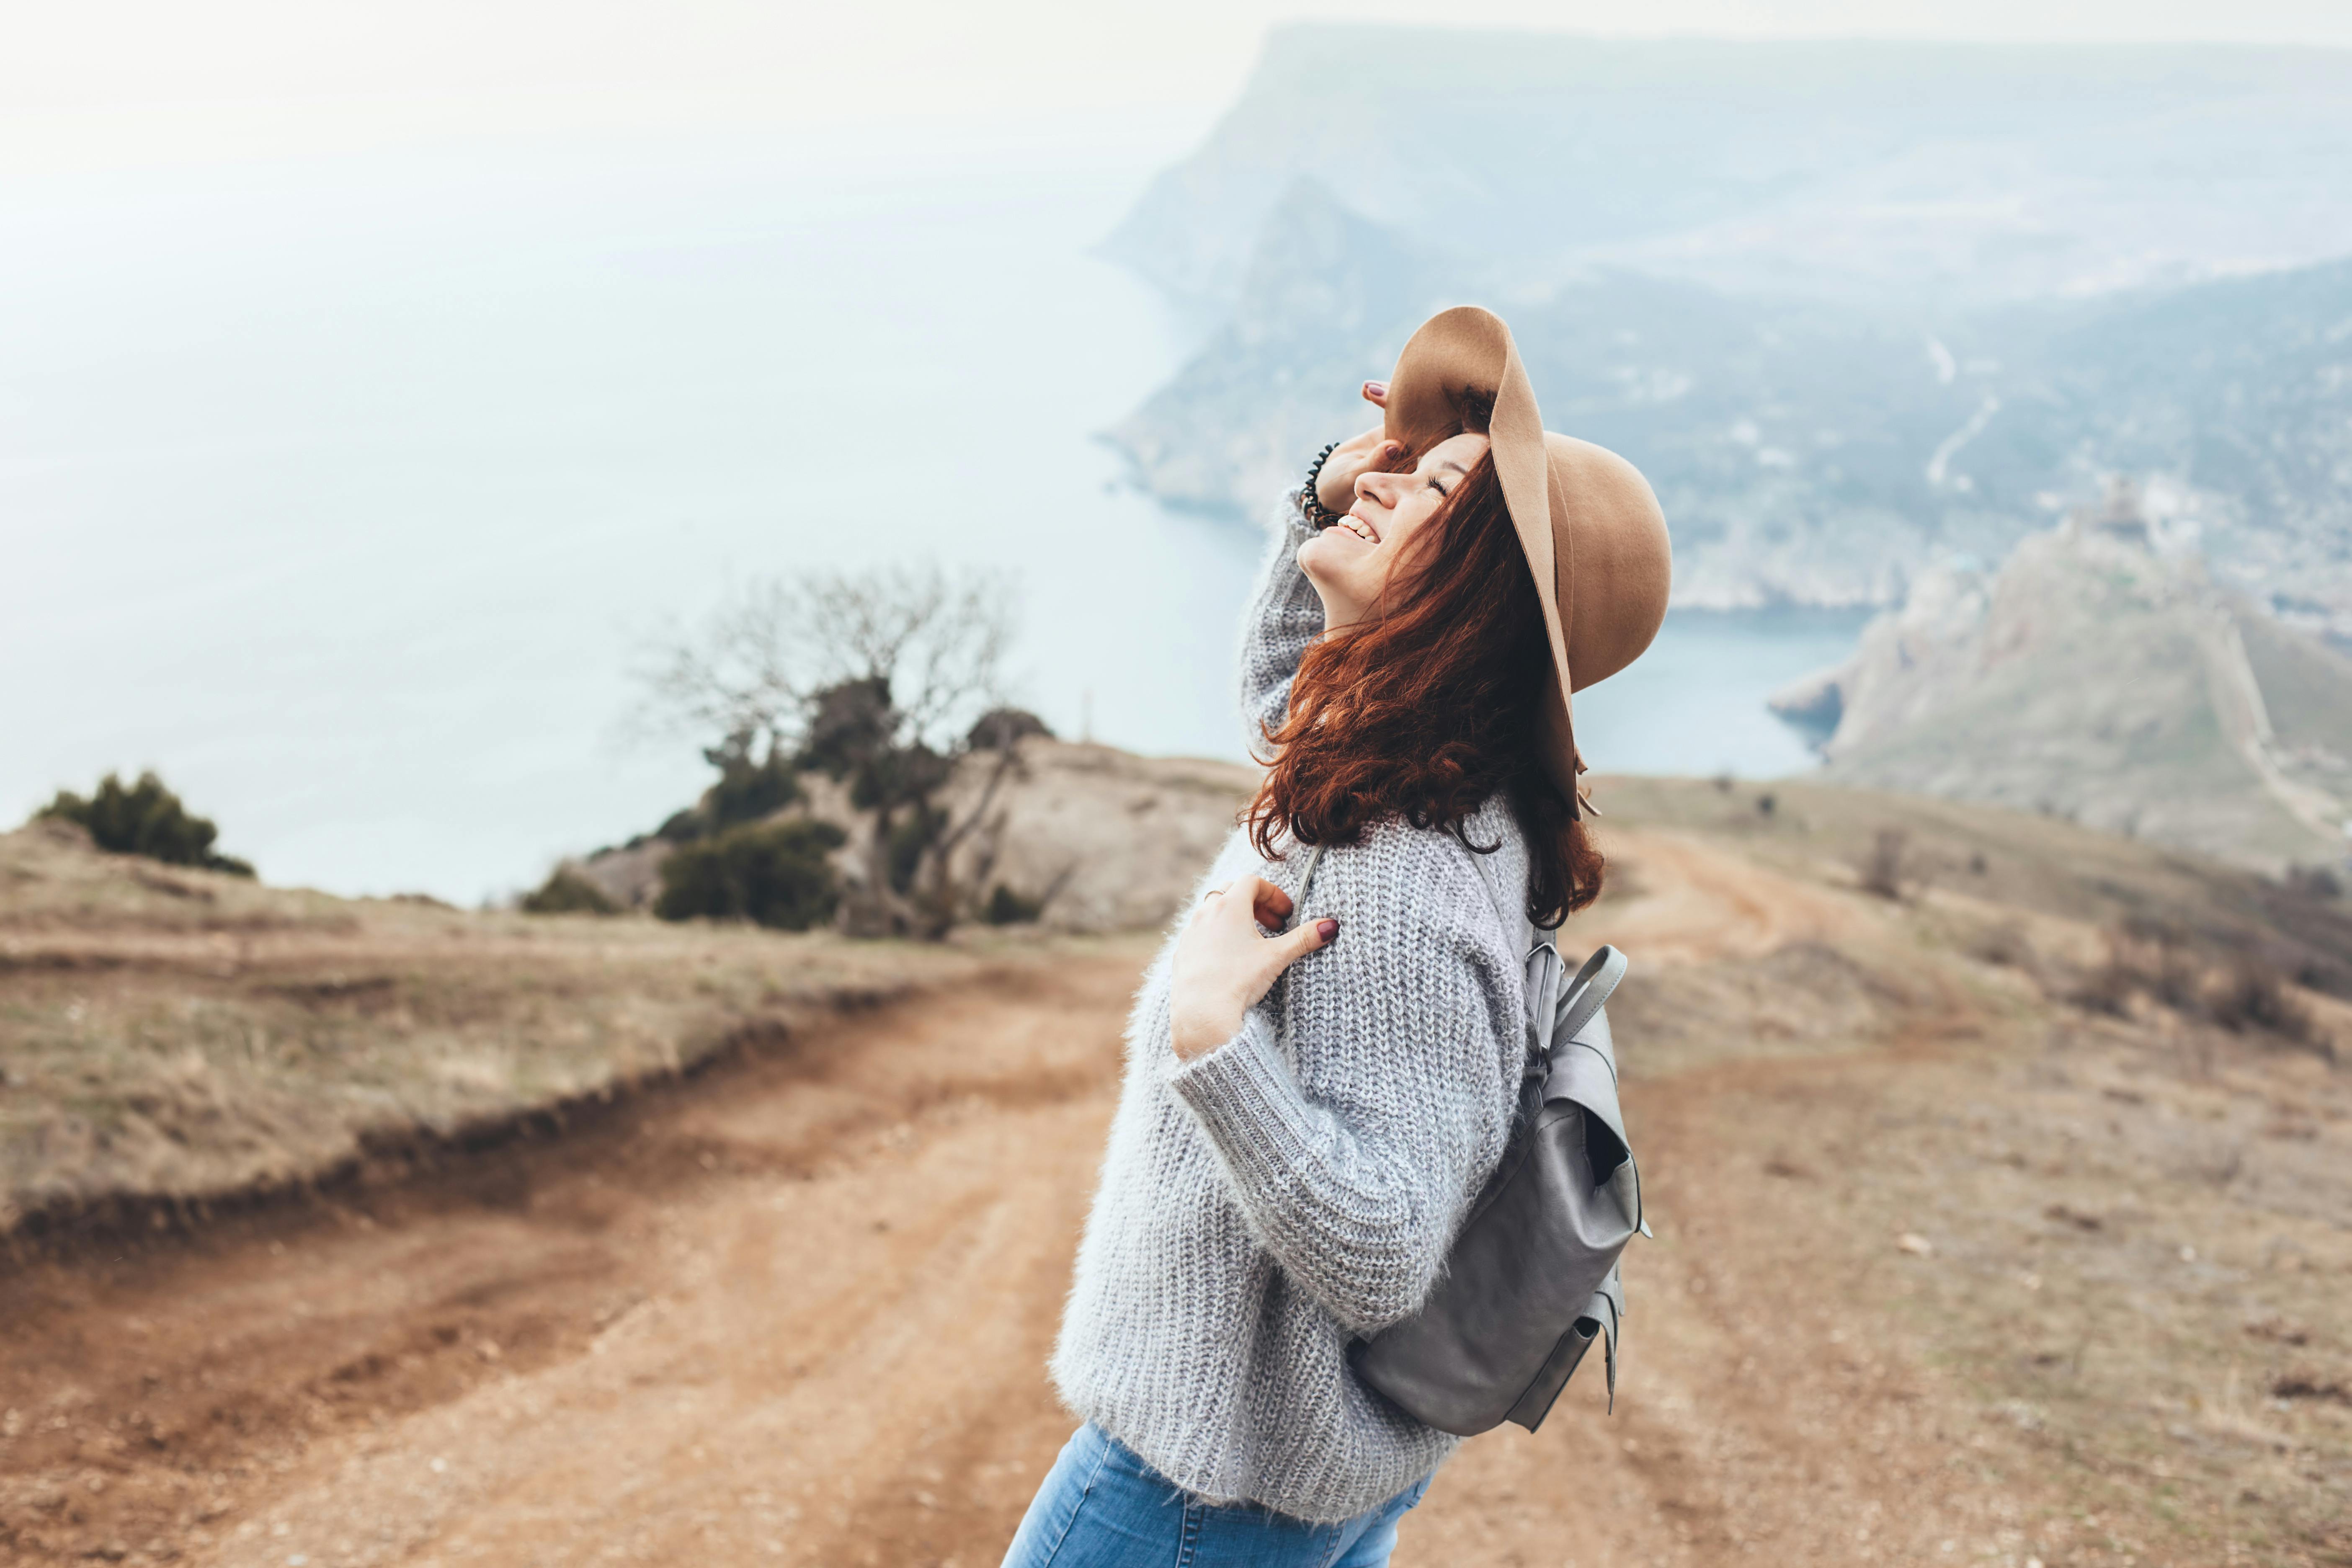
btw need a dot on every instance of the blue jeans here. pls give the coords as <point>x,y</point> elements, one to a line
<point>1102,1507</point>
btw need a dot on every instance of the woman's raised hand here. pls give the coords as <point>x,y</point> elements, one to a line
<point>1223,964</point>
<point>1370,453</point>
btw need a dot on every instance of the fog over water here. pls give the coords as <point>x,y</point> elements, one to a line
<point>344,493</point>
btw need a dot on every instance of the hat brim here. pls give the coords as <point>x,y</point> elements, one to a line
<point>1463,363</point>
<point>1587,523</point>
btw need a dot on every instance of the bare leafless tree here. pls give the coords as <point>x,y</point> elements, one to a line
<point>761,656</point>
<point>882,676</point>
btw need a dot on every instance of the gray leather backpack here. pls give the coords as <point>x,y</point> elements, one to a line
<point>1531,1279</point>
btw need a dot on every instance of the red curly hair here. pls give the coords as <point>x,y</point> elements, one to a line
<point>1432,704</point>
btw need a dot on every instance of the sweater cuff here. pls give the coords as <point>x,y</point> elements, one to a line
<point>1245,1097</point>
<point>1292,517</point>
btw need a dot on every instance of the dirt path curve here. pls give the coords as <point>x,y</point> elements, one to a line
<point>798,1315</point>
<point>1698,905</point>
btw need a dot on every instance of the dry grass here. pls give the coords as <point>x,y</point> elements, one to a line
<point>2243,992</point>
<point>2084,1088</point>
<point>1884,870</point>
<point>2079,1255</point>
<point>177,1035</point>
<point>2252,995</point>
<point>2004,943</point>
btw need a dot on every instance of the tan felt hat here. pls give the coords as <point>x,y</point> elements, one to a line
<point>1595,539</point>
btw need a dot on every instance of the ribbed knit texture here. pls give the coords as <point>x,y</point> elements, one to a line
<point>1265,1204</point>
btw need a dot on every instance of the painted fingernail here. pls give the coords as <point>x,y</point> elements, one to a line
<point>1376,387</point>
<point>1327,929</point>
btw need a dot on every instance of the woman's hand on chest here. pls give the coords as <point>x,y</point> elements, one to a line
<point>1225,962</point>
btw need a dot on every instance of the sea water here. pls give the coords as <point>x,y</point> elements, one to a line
<point>1695,702</point>
<point>351,494</point>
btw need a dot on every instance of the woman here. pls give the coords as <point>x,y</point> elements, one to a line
<point>1306,1117</point>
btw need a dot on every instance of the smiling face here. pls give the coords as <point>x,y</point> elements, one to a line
<point>1350,561</point>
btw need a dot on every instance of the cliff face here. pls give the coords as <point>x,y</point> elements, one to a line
<point>1852,310</point>
<point>2100,679</point>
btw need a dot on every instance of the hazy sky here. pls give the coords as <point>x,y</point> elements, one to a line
<point>108,82</point>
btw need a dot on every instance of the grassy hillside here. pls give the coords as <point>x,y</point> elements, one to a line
<point>184,1037</point>
<point>2026,864</point>
<point>2016,1119</point>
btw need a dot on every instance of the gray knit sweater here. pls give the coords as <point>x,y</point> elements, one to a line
<point>1263,1205</point>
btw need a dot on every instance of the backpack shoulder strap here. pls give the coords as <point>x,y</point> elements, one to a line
<point>1584,996</point>
<point>1590,992</point>
<point>1307,880</point>
<point>1513,910</point>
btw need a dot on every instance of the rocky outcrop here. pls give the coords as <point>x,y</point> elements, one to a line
<point>2101,676</point>
<point>1091,838</point>
<point>1103,839</point>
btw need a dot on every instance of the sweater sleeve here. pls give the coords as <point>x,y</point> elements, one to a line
<point>1357,1194</point>
<point>1283,617</point>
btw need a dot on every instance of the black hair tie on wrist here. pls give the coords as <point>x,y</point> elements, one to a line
<point>1310,500</point>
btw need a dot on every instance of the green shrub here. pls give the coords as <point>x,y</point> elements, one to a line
<point>2252,994</point>
<point>850,724</point>
<point>776,874</point>
<point>910,838</point>
<point>1007,908</point>
<point>1002,727</point>
<point>745,792</point>
<point>2147,958</point>
<point>2315,881</point>
<point>568,892</point>
<point>144,819</point>
<point>2007,945</point>
<point>683,827</point>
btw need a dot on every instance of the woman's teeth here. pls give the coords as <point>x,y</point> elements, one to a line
<point>1357,527</point>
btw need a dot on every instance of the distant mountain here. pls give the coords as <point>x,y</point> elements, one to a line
<point>1855,309</point>
<point>1811,454</point>
<point>1905,173</point>
<point>2102,677</point>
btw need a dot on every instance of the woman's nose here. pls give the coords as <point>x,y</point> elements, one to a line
<point>1378,487</point>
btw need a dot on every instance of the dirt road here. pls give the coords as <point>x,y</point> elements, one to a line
<point>797,1313</point>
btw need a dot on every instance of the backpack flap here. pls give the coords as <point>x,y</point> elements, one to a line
<point>1580,1055</point>
<point>1581,1082</point>
<point>1583,1073</point>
